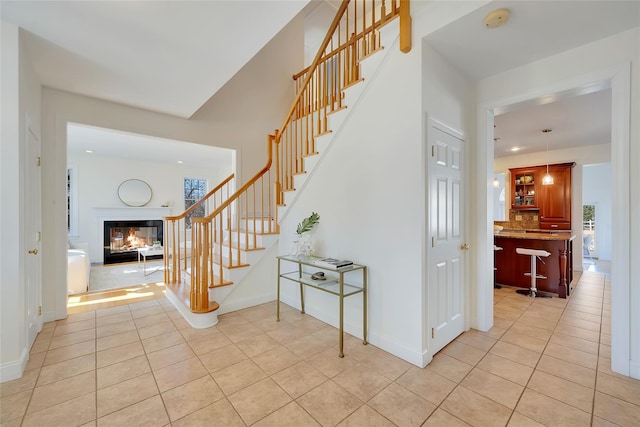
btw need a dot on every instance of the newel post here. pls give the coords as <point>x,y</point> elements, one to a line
<point>405,26</point>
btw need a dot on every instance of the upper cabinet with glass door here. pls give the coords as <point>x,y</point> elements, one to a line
<point>524,186</point>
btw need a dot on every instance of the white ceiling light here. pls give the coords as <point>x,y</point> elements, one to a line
<point>496,19</point>
<point>514,149</point>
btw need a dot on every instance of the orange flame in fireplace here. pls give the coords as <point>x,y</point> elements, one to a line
<point>134,241</point>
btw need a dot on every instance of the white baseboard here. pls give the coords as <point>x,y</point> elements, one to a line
<point>14,369</point>
<point>400,350</point>
<point>239,304</point>
<point>634,369</point>
<point>49,316</point>
<point>380,341</point>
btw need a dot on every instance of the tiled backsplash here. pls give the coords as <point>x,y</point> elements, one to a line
<point>527,220</point>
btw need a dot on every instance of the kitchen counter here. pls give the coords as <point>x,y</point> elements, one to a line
<point>557,267</point>
<point>541,235</point>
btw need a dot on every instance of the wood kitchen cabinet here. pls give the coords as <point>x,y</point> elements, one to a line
<point>524,185</point>
<point>555,199</point>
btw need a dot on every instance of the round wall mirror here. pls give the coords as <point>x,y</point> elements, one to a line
<point>134,192</point>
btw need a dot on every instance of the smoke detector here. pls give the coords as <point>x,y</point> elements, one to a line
<point>496,18</point>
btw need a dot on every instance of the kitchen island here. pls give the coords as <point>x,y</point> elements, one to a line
<point>557,267</point>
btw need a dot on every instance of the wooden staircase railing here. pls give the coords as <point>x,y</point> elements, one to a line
<point>219,240</point>
<point>353,35</point>
<point>177,243</point>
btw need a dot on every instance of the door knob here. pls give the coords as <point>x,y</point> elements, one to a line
<point>464,247</point>
<point>33,251</point>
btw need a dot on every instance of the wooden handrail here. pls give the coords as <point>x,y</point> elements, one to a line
<point>314,65</point>
<point>244,188</point>
<point>219,240</point>
<point>337,50</point>
<point>202,200</point>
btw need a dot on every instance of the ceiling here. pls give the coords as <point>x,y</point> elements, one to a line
<point>575,121</point>
<point>536,30</point>
<point>172,56</point>
<point>83,140</point>
<point>163,56</point>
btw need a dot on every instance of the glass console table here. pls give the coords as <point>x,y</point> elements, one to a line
<point>334,284</point>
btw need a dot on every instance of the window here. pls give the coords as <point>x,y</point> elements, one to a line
<point>589,229</point>
<point>72,201</point>
<point>194,190</point>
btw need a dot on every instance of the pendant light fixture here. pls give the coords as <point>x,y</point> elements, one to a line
<point>547,179</point>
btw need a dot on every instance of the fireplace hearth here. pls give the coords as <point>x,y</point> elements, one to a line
<point>122,239</point>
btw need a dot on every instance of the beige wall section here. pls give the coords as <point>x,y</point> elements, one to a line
<point>227,120</point>
<point>20,99</point>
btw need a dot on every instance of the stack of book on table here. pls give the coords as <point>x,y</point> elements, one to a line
<point>332,262</point>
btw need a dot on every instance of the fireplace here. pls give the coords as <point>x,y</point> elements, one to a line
<point>122,239</point>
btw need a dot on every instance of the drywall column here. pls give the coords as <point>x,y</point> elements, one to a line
<point>13,351</point>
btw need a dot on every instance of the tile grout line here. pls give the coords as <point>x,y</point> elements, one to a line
<point>33,390</point>
<point>524,388</point>
<point>595,383</point>
<point>555,330</point>
<point>474,366</point>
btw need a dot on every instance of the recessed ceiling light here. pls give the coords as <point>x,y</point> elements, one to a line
<point>496,19</point>
<point>496,139</point>
<point>180,162</point>
<point>514,149</point>
<point>88,151</point>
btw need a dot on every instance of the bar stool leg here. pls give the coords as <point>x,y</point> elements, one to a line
<point>533,290</point>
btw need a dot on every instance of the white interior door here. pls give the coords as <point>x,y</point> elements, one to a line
<point>33,259</point>
<point>446,267</point>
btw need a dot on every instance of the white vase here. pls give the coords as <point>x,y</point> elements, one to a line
<point>302,246</point>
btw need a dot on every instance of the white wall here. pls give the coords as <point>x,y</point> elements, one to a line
<point>20,99</point>
<point>614,58</point>
<point>99,177</point>
<point>369,191</point>
<point>596,190</point>
<point>227,120</point>
<point>364,217</point>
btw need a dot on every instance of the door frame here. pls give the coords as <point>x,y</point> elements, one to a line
<point>429,123</point>
<point>619,79</point>
<point>33,227</point>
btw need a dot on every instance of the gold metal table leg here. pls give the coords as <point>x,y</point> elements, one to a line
<point>278,299</point>
<point>341,354</point>
<point>364,306</point>
<point>301,292</point>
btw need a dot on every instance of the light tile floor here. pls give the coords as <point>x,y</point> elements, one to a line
<point>128,358</point>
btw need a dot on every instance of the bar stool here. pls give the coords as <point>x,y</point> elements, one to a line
<point>533,253</point>
<point>495,285</point>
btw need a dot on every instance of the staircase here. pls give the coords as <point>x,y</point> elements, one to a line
<point>207,257</point>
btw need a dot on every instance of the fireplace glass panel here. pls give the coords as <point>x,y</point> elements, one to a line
<point>128,239</point>
<point>122,239</point>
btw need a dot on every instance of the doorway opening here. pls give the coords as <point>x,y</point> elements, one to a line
<point>588,233</point>
<point>99,161</point>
